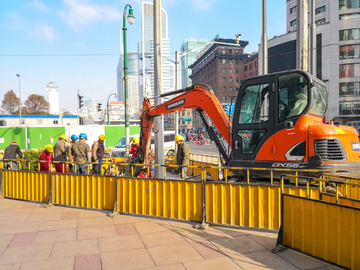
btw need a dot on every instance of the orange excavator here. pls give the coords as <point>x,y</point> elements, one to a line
<point>277,123</point>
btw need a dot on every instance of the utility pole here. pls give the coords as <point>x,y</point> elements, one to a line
<point>159,136</point>
<point>264,47</point>
<point>302,35</point>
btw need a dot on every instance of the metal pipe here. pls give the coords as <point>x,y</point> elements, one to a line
<point>264,39</point>
<point>19,100</point>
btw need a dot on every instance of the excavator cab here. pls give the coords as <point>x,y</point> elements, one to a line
<point>272,119</point>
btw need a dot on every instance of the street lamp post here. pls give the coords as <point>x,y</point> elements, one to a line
<point>108,109</point>
<point>130,19</point>
<point>19,100</point>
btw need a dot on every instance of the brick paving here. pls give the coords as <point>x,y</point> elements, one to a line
<point>64,238</point>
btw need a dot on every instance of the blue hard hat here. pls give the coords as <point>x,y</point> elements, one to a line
<point>74,137</point>
<point>83,135</point>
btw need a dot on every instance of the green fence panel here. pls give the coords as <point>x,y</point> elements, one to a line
<point>9,134</point>
<point>40,136</point>
<point>114,133</point>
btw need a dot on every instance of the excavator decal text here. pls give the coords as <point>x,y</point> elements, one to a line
<point>289,165</point>
<point>175,104</point>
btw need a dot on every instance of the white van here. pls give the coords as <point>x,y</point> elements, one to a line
<point>169,144</point>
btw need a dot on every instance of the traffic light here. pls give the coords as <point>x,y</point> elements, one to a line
<point>80,101</point>
<point>99,107</point>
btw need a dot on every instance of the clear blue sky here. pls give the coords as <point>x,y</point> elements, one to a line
<point>77,42</point>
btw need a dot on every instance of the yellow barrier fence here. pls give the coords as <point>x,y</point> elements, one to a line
<point>341,200</point>
<point>324,230</point>
<point>32,186</point>
<point>84,191</point>
<point>162,198</point>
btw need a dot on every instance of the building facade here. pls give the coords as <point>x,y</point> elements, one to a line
<point>222,67</point>
<point>251,66</point>
<point>52,96</point>
<point>337,54</point>
<point>133,88</point>
<point>39,120</point>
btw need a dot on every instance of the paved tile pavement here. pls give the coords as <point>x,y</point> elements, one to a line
<point>67,238</point>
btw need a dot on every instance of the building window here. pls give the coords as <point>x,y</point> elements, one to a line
<point>56,122</point>
<point>349,16</point>
<point>230,51</point>
<point>349,89</point>
<point>349,51</point>
<point>230,62</point>
<point>251,66</point>
<point>230,80</point>
<point>292,23</point>
<point>320,10</point>
<point>345,4</point>
<point>223,51</point>
<point>350,70</point>
<point>236,52</point>
<point>224,80</point>
<point>224,70</point>
<point>38,121</point>
<point>245,68</point>
<point>236,62</point>
<point>224,88</point>
<point>237,79</point>
<point>230,70</point>
<point>23,121</point>
<point>256,64</point>
<point>237,71</point>
<point>293,9</point>
<point>224,61</point>
<point>320,21</point>
<point>230,88</point>
<point>349,34</point>
<point>224,98</point>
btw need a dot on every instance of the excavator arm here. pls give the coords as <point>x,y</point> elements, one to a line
<point>194,97</point>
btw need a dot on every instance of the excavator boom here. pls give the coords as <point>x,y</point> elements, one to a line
<point>195,97</point>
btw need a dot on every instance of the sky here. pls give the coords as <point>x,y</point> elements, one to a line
<point>76,43</point>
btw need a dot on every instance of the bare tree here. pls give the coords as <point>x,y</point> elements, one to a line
<point>10,103</point>
<point>37,104</point>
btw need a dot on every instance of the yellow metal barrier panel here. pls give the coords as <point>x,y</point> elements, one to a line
<point>243,205</point>
<point>341,200</point>
<point>324,230</point>
<point>302,192</point>
<point>349,191</point>
<point>161,198</point>
<point>84,190</point>
<point>32,186</point>
<point>214,171</point>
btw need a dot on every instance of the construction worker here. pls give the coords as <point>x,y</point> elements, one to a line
<point>134,146</point>
<point>98,150</point>
<point>81,153</point>
<point>60,154</point>
<point>74,139</point>
<point>46,158</point>
<point>10,153</point>
<point>183,152</point>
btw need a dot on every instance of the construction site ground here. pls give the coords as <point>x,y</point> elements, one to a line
<point>63,238</point>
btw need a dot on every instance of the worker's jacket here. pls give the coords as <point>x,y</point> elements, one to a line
<point>134,150</point>
<point>60,151</point>
<point>11,151</point>
<point>71,157</point>
<point>183,154</point>
<point>98,150</point>
<point>45,156</point>
<point>79,150</point>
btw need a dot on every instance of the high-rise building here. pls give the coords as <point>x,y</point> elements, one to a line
<point>189,58</point>
<point>133,89</point>
<point>146,52</point>
<point>52,96</point>
<point>337,54</point>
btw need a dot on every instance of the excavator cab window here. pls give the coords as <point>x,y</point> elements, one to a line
<point>319,105</point>
<point>255,105</point>
<point>293,96</point>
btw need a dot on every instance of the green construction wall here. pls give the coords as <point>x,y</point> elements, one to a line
<point>9,134</point>
<point>40,136</point>
<point>114,133</point>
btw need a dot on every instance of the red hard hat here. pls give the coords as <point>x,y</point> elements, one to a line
<point>13,142</point>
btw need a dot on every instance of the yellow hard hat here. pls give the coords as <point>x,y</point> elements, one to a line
<point>135,140</point>
<point>63,137</point>
<point>102,137</point>
<point>49,147</point>
<point>179,138</point>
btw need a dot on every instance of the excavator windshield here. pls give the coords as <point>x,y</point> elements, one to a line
<point>319,105</point>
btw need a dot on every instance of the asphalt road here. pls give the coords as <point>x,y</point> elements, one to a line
<point>205,149</point>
